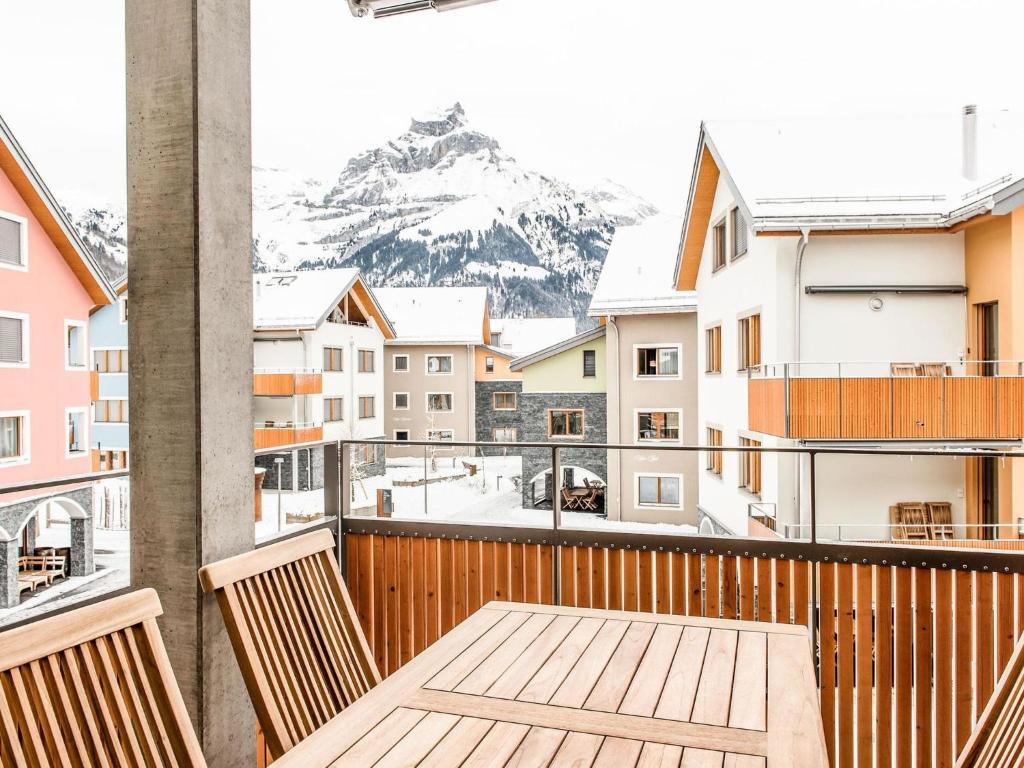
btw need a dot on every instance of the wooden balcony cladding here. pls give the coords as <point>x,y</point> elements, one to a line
<point>913,408</point>
<point>272,437</point>
<point>94,386</point>
<point>285,384</point>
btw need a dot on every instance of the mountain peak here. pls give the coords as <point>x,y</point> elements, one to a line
<point>440,122</point>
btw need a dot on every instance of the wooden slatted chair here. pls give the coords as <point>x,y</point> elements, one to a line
<point>896,523</point>
<point>903,370</point>
<point>914,516</point>
<point>93,687</point>
<point>940,513</point>
<point>932,369</point>
<point>998,738</point>
<point>295,633</point>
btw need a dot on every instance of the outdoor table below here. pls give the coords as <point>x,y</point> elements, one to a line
<point>540,685</point>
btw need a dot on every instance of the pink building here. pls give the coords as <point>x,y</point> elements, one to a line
<point>48,284</point>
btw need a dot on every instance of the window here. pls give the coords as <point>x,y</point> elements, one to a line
<point>658,425</point>
<point>13,339</point>
<point>74,344</point>
<point>659,491</point>
<point>439,364</point>
<point>655,362</point>
<point>400,363</point>
<point>13,438</point>
<point>496,339</point>
<point>750,466</point>
<point>122,309</point>
<point>737,233</point>
<point>504,434</point>
<point>333,359</point>
<point>714,458</point>
<point>439,401</point>
<point>489,364</point>
<point>505,401</point>
<point>367,406</point>
<point>565,423</point>
<point>366,361</point>
<point>440,435</point>
<point>749,342</point>
<point>589,363</point>
<point>401,401</point>
<point>718,247</point>
<point>334,409</point>
<point>75,432</point>
<point>364,454</point>
<point>110,360</point>
<point>401,434</point>
<point>13,242</point>
<point>713,349</point>
<point>114,411</point>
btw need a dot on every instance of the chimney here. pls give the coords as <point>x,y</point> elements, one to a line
<point>970,142</point>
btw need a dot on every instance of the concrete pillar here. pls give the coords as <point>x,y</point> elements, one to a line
<point>9,573</point>
<point>83,561</point>
<point>190,338</point>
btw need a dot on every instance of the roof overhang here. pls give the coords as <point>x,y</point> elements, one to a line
<point>563,346</point>
<point>14,162</point>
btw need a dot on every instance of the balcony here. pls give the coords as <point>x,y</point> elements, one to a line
<point>278,434</point>
<point>962,400</point>
<point>287,382</point>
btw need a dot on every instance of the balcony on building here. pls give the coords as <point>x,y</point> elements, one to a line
<point>893,400</point>
<point>287,382</point>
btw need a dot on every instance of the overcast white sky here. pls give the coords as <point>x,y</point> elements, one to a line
<point>580,89</point>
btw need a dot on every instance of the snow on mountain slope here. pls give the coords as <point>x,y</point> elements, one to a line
<point>442,204</point>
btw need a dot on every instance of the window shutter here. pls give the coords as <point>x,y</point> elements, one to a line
<point>10,242</point>
<point>11,350</point>
<point>739,234</point>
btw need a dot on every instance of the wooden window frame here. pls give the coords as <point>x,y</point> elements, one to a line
<point>122,410</point>
<point>329,411</point>
<point>714,459</point>
<point>735,221</point>
<point>659,504</point>
<point>750,467</point>
<point>119,356</point>
<point>748,342</point>
<point>23,456</point>
<point>83,440</point>
<point>513,430</point>
<point>367,355</point>
<point>566,412</point>
<point>719,253</point>
<point>451,365</point>
<point>515,401</point>
<point>329,364</point>
<point>372,412</point>
<point>489,364</point>
<point>658,348</point>
<point>589,353</point>
<point>637,413</point>
<point>394,363</point>
<point>713,349</point>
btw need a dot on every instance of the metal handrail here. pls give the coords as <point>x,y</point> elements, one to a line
<point>297,370</point>
<point>782,369</point>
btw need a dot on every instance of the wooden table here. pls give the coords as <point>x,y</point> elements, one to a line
<point>533,685</point>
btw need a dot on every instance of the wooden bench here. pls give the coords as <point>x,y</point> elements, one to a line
<point>47,567</point>
<point>29,576</point>
<point>295,633</point>
<point>93,687</point>
<point>998,738</point>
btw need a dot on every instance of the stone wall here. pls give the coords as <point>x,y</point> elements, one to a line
<point>487,419</point>
<point>534,407</point>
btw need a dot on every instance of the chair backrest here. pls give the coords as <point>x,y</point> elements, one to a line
<point>998,738</point>
<point>903,369</point>
<point>933,369</point>
<point>93,687</point>
<point>915,520</point>
<point>295,633</point>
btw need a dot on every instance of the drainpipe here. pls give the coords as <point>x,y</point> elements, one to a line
<point>805,236</point>
<point>614,412</point>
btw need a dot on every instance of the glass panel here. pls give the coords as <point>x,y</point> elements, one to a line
<point>670,490</point>
<point>668,362</point>
<point>10,430</point>
<point>648,490</point>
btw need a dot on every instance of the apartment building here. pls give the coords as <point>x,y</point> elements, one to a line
<point>498,388</point>
<point>430,372</point>
<point>858,279</point>
<point>48,284</point>
<point>652,375</point>
<point>108,339</point>
<point>564,401</point>
<point>318,371</point>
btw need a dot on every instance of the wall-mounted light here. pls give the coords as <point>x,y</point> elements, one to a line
<point>381,9</point>
<point>876,303</point>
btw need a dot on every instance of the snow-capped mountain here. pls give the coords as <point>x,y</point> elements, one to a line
<point>443,204</point>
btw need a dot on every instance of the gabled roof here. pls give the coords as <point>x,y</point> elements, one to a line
<point>555,349</point>
<point>638,273</point>
<point>524,335</point>
<point>303,300</point>
<point>55,222</point>
<point>879,175</point>
<point>437,314</point>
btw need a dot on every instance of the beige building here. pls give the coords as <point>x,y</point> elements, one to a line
<point>651,376</point>
<point>430,368</point>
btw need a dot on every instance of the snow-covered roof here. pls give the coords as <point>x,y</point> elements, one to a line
<point>637,277</point>
<point>523,335</point>
<point>435,314</point>
<point>855,172</point>
<point>578,340</point>
<point>304,299</point>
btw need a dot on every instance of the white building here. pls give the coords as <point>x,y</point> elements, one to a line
<point>847,293</point>
<point>318,357</point>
